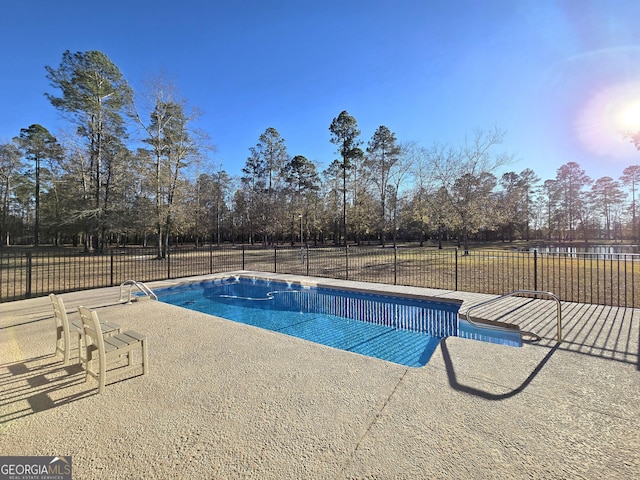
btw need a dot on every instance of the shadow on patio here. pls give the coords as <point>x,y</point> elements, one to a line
<point>460,387</point>
<point>594,331</point>
<point>38,384</point>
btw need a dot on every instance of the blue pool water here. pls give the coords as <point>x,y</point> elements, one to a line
<point>398,329</point>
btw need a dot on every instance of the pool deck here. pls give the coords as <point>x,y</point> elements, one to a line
<point>227,400</point>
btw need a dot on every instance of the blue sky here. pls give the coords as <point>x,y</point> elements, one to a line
<point>561,77</point>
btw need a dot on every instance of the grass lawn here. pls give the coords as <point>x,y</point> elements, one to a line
<point>573,277</point>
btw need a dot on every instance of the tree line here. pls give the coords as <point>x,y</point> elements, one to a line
<point>134,170</point>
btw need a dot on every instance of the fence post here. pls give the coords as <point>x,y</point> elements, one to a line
<point>456,289</point>
<point>346,261</point>
<point>307,248</point>
<point>28,279</point>
<point>275,259</point>
<point>210,258</point>
<point>243,256</point>
<point>395,264</point>
<point>535,269</point>
<point>111,267</point>
<point>168,256</point>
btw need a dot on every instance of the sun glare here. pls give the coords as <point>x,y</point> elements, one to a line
<point>629,117</point>
<point>606,117</point>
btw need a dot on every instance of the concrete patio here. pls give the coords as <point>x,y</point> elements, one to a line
<point>226,400</point>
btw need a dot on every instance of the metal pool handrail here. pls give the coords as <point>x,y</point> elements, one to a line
<point>513,294</point>
<point>141,286</point>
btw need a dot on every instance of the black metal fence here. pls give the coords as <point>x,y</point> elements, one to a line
<point>598,278</point>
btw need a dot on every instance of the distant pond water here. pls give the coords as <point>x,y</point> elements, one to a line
<point>600,251</point>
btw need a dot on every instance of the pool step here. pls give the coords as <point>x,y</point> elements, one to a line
<point>506,334</point>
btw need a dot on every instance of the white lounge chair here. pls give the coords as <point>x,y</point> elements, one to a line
<point>109,349</point>
<point>65,328</point>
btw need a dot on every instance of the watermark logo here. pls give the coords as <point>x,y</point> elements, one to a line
<point>35,468</point>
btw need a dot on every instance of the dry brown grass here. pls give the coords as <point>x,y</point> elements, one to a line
<point>609,281</point>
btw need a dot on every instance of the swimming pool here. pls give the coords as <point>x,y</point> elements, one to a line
<point>403,330</point>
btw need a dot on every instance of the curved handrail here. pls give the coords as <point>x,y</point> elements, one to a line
<point>513,294</point>
<point>140,285</point>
